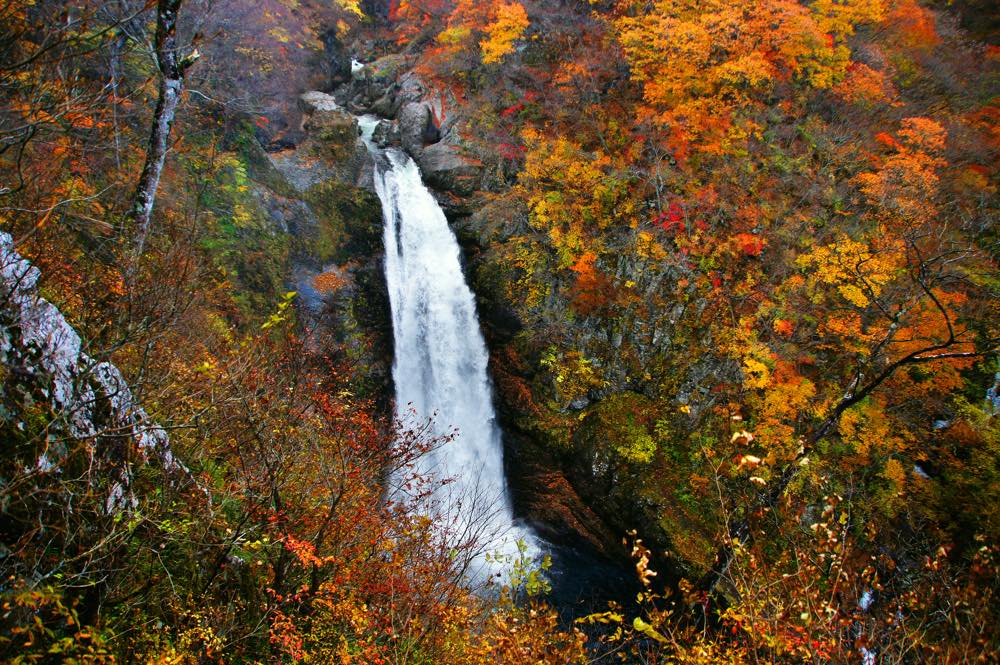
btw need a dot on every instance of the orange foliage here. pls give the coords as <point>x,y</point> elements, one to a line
<point>903,188</point>
<point>865,86</point>
<point>784,327</point>
<point>750,244</point>
<point>703,65</point>
<point>330,281</point>
<point>914,26</point>
<point>592,290</point>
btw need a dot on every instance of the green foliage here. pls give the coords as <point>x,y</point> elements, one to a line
<point>348,223</point>
<point>40,626</point>
<point>282,314</point>
<point>525,574</point>
<point>573,375</point>
<point>619,428</point>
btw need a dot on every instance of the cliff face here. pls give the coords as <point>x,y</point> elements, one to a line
<point>45,366</point>
<point>318,191</point>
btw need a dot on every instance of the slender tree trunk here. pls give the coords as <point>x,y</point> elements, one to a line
<point>172,69</point>
<point>117,47</point>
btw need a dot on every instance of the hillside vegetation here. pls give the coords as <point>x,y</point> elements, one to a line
<point>737,265</point>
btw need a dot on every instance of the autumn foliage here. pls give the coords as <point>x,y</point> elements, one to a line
<point>737,263</point>
<point>764,218</point>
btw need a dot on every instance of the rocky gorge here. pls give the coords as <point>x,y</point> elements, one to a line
<point>282,280</point>
<point>331,164</point>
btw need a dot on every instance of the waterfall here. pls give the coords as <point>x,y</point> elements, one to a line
<point>440,368</point>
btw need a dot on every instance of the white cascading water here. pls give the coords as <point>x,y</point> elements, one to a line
<point>440,368</point>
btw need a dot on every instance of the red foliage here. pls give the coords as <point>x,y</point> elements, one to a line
<point>750,244</point>
<point>887,140</point>
<point>511,151</point>
<point>512,110</point>
<point>672,219</point>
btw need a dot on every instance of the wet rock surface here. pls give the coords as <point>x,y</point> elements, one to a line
<point>338,58</point>
<point>318,192</point>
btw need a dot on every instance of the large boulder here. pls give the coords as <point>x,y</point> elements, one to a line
<point>313,101</point>
<point>386,134</point>
<point>413,121</point>
<point>336,130</point>
<point>331,148</point>
<point>444,167</point>
<point>385,106</point>
<point>410,88</point>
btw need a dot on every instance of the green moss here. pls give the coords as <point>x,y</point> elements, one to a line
<point>389,67</point>
<point>620,428</point>
<point>237,234</point>
<point>333,138</point>
<point>258,165</point>
<point>349,222</point>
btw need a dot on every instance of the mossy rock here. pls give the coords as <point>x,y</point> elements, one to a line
<point>349,223</point>
<point>619,427</point>
<point>259,166</point>
<point>387,68</point>
<point>335,134</point>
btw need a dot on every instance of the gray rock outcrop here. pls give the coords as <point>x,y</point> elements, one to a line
<point>386,134</point>
<point>313,101</point>
<point>444,167</point>
<point>90,399</point>
<point>413,121</point>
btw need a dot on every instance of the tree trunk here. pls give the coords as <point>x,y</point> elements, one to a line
<point>171,82</point>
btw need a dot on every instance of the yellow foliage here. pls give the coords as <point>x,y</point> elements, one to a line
<point>756,374</point>
<point>352,6</point>
<point>858,270</point>
<point>454,36</point>
<point>529,285</point>
<point>639,450</point>
<point>784,403</point>
<point>895,474</point>
<point>280,34</point>
<point>867,429</point>
<point>570,194</point>
<point>701,61</point>
<point>647,247</point>
<point>574,375</point>
<point>839,17</point>
<point>847,333</point>
<point>509,25</point>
